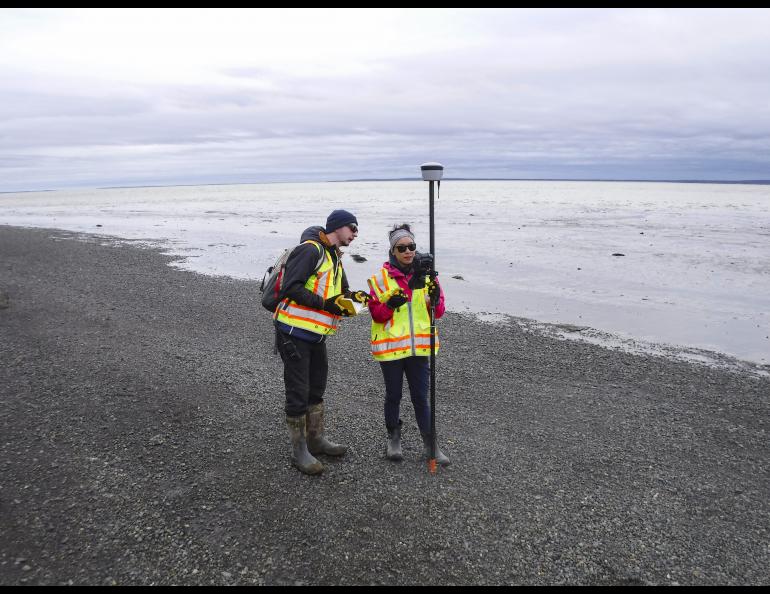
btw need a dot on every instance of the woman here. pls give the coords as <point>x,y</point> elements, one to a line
<point>399,305</point>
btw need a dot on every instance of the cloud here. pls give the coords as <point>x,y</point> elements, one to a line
<point>102,97</point>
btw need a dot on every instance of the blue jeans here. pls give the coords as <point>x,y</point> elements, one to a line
<point>417,371</point>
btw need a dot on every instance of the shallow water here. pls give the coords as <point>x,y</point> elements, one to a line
<point>695,269</point>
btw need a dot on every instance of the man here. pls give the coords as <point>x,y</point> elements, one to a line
<point>315,296</point>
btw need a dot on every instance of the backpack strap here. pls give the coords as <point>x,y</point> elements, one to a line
<point>321,254</point>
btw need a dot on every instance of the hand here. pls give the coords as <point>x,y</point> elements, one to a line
<point>339,305</point>
<point>424,263</point>
<point>434,290</point>
<point>417,281</point>
<point>360,297</point>
<point>396,300</point>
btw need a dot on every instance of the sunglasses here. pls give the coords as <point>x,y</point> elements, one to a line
<point>353,227</point>
<point>410,246</point>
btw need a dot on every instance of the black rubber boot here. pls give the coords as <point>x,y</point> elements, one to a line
<point>440,457</point>
<point>316,442</point>
<point>393,448</point>
<point>300,456</point>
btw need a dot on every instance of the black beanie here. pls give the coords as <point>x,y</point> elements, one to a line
<point>339,218</point>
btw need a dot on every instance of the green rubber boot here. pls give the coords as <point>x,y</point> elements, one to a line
<point>316,442</point>
<point>300,456</point>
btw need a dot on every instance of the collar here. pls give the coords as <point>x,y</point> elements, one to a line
<point>395,271</point>
<point>328,244</point>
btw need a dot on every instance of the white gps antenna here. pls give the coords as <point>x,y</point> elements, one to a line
<point>432,171</point>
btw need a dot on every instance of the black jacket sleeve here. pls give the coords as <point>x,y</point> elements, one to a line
<point>299,267</point>
<point>345,286</point>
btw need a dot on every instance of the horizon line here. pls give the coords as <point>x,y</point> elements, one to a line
<point>390,179</point>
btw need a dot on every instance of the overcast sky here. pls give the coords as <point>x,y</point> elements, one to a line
<point>153,97</point>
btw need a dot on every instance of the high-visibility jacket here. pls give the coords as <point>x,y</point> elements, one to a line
<point>325,282</point>
<point>407,333</point>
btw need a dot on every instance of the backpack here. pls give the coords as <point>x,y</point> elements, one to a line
<point>272,281</point>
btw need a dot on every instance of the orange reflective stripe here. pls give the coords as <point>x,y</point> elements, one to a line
<point>425,346</point>
<point>311,320</point>
<point>387,352</point>
<point>384,340</point>
<point>378,290</point>
<point>393,345</point>
<point>385,279</point>
<point>320,282</point>
<point>321,316</point>
<point>317,316</point>
<point>328,284</point>
<point>306,308</point>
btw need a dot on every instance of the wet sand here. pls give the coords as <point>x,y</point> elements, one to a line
<point>141,414</point>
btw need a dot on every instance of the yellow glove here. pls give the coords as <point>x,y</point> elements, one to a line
<point>434,291</point>
<point>339,305</point>
<point>360,297</point>
<point>388,294</point>
<point>394,298</point>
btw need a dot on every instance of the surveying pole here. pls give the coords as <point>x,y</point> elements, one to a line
<point>432,173</point>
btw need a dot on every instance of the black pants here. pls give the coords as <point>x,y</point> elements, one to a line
<point>417,371</point>
<point>305,369</point>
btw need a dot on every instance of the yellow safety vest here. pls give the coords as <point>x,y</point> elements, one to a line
<point>407,333</point>
<point>325,282</point>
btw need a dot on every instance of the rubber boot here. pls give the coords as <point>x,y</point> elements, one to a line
<point>393,449</point>
<point>316,442</point>
<point>300,456</point>
<point>440,457</point>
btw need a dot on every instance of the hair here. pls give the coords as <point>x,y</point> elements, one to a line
<point>398,233</point>
<point>401,226</point>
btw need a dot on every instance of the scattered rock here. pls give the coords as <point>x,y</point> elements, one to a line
<point>358,258</point>
<point>458,277</point>
<point>618,254</point>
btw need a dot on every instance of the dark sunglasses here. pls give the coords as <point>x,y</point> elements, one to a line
<point>409,246</point>
<point>353,227</point>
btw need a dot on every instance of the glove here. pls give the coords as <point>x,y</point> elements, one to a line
<point>434,290</point>
<point>423,263</point>
<point>339,305</point>
<point>360,297</point>
<point>417,281</point>
<point>396,300</point>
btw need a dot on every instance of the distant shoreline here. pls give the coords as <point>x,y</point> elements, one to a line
<point>747,182</point>
<point>752,182</point>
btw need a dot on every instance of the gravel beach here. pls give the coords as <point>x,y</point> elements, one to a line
<point>142,441</point>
